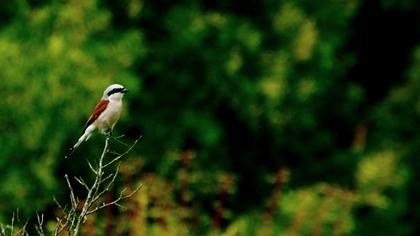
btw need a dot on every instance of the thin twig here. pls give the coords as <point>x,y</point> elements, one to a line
<point>58,204</point>
<point>82,182</point>
<point>106,189</point>
<point>22,230</point>
<point>118,137</point>
<point>116,201</point>
<point>40,227</point>
<point>91,167</point>
<point>114,153</point>
<point>108,177</point>
<point>72,198</point>
<point>13,221</point>
<point>118,140</point>
<point>120,156</point>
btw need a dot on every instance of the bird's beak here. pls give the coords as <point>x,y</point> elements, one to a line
<point>124,90</point>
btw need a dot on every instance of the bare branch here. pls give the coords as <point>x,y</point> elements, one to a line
<point>13,221</point>
<point>72,198</point>
<point>40,227</point>
<point>58,204</point>
<point>91,167</point>
<point>122,155</point>
<point>115,202</point>
<point>93,190</point>
<point>81,182</point>
<point>115,153</point>
<point>108,177</point>
<point>22,230</point>
<point>108,187</point>
<point>121,142</point>
<point>76,215</point>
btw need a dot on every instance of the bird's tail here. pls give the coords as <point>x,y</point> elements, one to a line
<point>81,139</point>
<point>78,143</point>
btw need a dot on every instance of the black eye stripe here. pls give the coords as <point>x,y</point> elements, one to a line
<point>115,90</point>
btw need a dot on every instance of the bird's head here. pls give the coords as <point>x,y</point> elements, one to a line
<point>114,91</point>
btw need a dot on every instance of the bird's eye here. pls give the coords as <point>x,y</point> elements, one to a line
<point>115,90</point>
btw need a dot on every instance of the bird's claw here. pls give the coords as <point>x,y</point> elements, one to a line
<point>109,133</point>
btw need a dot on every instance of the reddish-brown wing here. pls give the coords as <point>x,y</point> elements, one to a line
<point>97,111</point>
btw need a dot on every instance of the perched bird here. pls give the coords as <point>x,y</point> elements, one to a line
<point>105,114</point>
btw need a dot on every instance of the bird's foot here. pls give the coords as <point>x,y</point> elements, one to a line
<point>108,133</point>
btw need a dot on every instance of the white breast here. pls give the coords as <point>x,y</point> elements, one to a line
<point>109,116</point>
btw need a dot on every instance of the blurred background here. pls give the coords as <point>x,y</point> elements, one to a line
<point>294,117</point>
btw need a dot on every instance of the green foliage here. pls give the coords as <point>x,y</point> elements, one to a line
<point>54,60</point>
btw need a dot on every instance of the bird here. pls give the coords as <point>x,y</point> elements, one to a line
<point>105,114</point>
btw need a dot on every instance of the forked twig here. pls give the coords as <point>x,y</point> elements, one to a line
<point>114,202</point>
<point>122,155</point>
<point>40,227</point>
